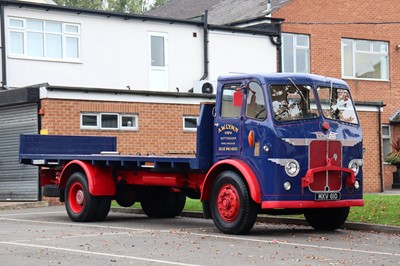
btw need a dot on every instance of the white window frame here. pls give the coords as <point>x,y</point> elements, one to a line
<point>189,129</point>
<point>109,128</point>
<point>294,50</point>
<point>98,126</point>
<point>89,127</point>
<point>135,119</point>
<point>355,51</point>
<point>65,34</point>
<point>387,138</point>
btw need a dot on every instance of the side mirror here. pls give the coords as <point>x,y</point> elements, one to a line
<point>238,98</point>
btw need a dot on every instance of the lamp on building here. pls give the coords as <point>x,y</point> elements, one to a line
<point>397,47</point>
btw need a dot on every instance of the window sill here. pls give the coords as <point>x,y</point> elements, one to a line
<point>363,79</point>
<point>72,61</point>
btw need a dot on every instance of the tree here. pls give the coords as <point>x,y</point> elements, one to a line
<point>91,4</point>
<point>157,3</point>
<point>128,6</point>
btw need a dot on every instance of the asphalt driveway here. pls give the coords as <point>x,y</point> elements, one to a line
<point>46,236</point>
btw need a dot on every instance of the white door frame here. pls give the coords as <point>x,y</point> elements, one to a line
<point>158,74</point>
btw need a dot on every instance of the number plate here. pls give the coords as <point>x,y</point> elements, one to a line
<point>327,196</point>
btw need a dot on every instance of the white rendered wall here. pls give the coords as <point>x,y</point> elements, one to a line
<point>232,53</point>
<point>115,54</point>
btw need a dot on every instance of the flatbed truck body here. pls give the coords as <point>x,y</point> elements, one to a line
<point>270,143</point>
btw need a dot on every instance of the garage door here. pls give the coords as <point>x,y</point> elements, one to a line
<point>17,182</point>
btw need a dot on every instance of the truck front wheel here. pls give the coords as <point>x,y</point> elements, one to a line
<point>81,206</point>
<point>328,219</point>
<point>232,208</point>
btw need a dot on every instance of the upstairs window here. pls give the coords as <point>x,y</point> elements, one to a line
<point>362,59</point>
<point>295,53</point>
<point>41,39</point>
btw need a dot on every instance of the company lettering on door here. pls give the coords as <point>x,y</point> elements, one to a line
<point>228,138</point>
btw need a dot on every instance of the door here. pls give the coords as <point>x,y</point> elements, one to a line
<point>227,123</point>
<point>255,129</point>
<point>158,72</point>
<point>18,182</point>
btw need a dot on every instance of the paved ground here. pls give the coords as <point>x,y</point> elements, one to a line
<point>350,226</point>
<point>46,236</point>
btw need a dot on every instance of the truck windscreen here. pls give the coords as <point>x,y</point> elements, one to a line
<point>292,102</point>
<point>337,104</point>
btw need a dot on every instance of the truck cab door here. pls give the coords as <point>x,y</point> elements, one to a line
<point>228,121</point>
<point>254,128</point>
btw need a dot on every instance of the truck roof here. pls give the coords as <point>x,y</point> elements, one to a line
<point>278,78</point>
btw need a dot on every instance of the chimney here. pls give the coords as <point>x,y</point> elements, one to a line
<point>269,5</point>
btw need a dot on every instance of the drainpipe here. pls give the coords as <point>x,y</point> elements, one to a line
<point>380,146</point>
<point>278,44</point>
<point>205,44</point>
<point>3,48</point>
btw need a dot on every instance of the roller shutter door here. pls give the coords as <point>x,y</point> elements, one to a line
<point>18,182</point>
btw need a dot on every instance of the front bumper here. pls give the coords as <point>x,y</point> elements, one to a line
<point>301,204</point>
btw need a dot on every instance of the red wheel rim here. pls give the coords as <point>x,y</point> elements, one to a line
<point>228,203</point>
<point>76,197</point>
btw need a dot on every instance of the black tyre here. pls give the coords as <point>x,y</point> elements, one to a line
<point>125,195</point>
<point>231,206</point>
<point>80,205</point>
<point>104,204</point>
<point>160,202</point>
<point>51,191</point>
<point>328,219</point>
<point>180,201</point>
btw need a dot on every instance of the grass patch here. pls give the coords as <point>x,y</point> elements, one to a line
<point>378,209</point>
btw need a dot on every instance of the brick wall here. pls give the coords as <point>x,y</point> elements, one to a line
<point>327,22</point>
<point>160,125</point>
<point>371,167</point>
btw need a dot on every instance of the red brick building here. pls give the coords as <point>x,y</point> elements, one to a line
<point>330,26</point>
<point>357,41</point>
<point>160,129</point>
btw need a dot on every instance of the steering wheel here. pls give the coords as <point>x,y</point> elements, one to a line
<point>262,110</point>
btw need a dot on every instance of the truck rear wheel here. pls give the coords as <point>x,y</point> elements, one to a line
<point>328,219</point>
<point>125,195</point>
<point>232,208</point>
<point>160,202</point>
<point>104,204</point>
<point>80,205</point>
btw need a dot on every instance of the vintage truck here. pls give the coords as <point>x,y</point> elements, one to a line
<point>270,143</point>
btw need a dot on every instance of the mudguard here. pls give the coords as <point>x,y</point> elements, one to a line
<point>99,178</point>
<point>229,164</point>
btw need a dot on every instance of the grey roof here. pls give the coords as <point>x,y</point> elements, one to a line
<point>220,12</point>
<point>395,118</point>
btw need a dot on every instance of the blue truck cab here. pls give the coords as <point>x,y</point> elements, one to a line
<point>270,143</point>
<point>300,136</point>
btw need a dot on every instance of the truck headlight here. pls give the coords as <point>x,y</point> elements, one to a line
<point>354,166</point>
<point>292,168</point>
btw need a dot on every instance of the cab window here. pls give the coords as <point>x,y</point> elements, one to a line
<point>255,102</point>
<point>228,107</point>
<point>337,104</point>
